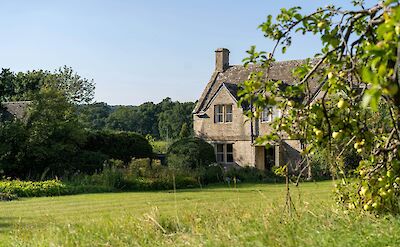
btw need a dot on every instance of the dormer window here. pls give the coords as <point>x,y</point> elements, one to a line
<point>269,114</point>
<point>223,113</point>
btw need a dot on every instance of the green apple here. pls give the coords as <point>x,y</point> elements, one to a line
<point>335,134</point>
<point>341,104</point>
<point>363,190</point>
<point>319,134</point>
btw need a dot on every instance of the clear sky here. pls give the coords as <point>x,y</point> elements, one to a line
<point>139,51</point>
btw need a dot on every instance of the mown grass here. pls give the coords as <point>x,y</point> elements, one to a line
<point>250,215</point>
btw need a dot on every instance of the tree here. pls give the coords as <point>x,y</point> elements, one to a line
<point>94,116</point>
<point>76,89</point>
<point>358,71</point>
<point>24,85</point>
<point>170,121</point>
<point>184,131</point>
<point>7,85</point>
<point>55,135</point>
<point>124,118</point>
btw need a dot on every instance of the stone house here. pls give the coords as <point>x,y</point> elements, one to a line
<point>219,120</point>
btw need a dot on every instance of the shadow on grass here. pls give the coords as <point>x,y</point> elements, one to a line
<point>6,223</point>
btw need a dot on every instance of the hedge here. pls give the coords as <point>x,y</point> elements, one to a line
<point>119,145</point>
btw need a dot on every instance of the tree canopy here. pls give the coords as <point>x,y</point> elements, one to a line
<point>25,85</point>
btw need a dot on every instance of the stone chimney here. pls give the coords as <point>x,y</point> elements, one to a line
<point>221,59</point>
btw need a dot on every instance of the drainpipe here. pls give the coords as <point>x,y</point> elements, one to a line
<point>251,124</point>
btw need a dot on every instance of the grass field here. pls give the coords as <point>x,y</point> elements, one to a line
<point>250,215</point>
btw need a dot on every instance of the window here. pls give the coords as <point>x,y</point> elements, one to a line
<point>219,113</point>
<point>229,153</point>
<point>266,115</point>
<point>269,114</point>
<point>220,152</point>
<point>228,113</point>
<point>223,114</point>
<point>224,153</point>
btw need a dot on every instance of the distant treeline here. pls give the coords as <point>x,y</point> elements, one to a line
<point>165,120</point>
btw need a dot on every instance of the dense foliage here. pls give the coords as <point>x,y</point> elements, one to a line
<point>119,145</point>
<point>191,152</point>
<point>24,86</point>
<point>359,108</point>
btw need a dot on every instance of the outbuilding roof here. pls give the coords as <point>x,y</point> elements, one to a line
<point>14,109</point>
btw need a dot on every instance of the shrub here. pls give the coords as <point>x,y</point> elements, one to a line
<point>7,197</point>
<point>142,168</point>
<point>33,189</point>
<point>191,152</point>
<point>213,174</point>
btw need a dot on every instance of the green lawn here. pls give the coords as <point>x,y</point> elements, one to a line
<point>250,215</point>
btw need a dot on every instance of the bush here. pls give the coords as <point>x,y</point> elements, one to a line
<point>33,189</point>
<point>138,175</point>
<point>119,145</point>
<point>191,152</point>
<point>7,197</point>
<point>213,174</point>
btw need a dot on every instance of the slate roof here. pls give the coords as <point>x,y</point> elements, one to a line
<point>236,74</point>
<point>15,109</point>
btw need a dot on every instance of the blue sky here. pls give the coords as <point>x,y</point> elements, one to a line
<point>139,51</point>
